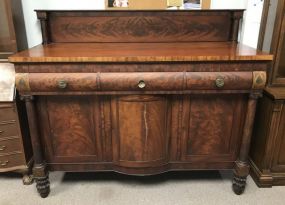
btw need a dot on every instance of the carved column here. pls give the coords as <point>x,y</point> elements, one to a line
<point>235,26</point>
<point>39,170</point>
<point>241,169</point>
<point>43,17</point>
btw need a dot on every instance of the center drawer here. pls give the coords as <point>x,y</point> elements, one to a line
<point>135,81</point>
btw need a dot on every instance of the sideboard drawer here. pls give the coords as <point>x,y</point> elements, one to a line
<point>139,81</point>
<point>144,81</point>
<point>8,129</point>
<point>7,113</point>
<point>10,145</point>
<point>11,160</point>
<point>219,80</point>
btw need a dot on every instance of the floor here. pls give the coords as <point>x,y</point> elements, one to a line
<point>175,188</point>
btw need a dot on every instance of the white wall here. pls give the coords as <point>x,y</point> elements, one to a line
<point>32,24</point>
<point>228,4</point>
<point>251,19</point>
<point>251,24</point>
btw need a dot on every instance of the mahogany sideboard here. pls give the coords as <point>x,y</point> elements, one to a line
<point>140,92</point>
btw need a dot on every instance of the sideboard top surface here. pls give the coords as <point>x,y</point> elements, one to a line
<point>140,52</point>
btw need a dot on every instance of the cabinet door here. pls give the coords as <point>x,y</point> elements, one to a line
<point>70,126</point>
<point>140,130</point>
<point>213,127</point>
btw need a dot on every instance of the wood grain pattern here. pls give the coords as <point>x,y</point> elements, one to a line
<point>139,26</point>
<point>147,28</point>
<point>278,164</point>
<point>74,133</point>
<point>212,127</point>
<point>281,154</point>
<point>158,81</point>
<point>140,130</point>
<point>141,67</point>
<point>140,52</point>
<point>71,135</point>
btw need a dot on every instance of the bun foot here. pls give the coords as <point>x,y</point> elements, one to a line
<point>28,179</point>
<point>43,186</point>
<point>239,184</point>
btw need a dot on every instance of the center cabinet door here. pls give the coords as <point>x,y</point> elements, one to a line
<point>141,127</point>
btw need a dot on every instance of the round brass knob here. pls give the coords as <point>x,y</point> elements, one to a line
<point>220,82</point>
<point>141,84</point>
<point>62,84</point>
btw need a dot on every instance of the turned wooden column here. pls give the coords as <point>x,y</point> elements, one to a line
<point>39,170</point>
<point>236,18</point>
<point>241,169</point>
<point>43,17</point>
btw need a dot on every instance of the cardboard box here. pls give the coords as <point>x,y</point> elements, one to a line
<point>147,4</point>
<point>206,4</point>
<point>177,3</point>
<point>142,4</point>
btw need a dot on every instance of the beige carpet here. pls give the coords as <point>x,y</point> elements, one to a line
<point>175,188</point>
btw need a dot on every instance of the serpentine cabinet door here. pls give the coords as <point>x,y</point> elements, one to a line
<point>141,128</point>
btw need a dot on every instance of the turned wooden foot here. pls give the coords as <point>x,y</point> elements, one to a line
<point>241,172</point>
<point>41,176</point>
<point>43,186</point>
<point>239,184</point>
<point>28,179</point>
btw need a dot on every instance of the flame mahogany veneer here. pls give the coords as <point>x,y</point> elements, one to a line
<point>140,92</point>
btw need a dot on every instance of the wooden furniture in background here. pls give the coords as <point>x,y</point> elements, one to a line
<point>140,92</point>
<point>8,43</point>
<point>15,144</point>
<point>267,156</point>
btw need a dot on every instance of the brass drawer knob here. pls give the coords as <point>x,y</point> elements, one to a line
<point>1,132</point>
<point>220,82</point>
<point>3,164</point>
<point>141,84</point>
<point>62,84</point>
<point>2,148</point>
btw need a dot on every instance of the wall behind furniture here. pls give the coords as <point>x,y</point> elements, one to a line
<point>252,21</point>
<point>32,24</point>
<point>228,4</point>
